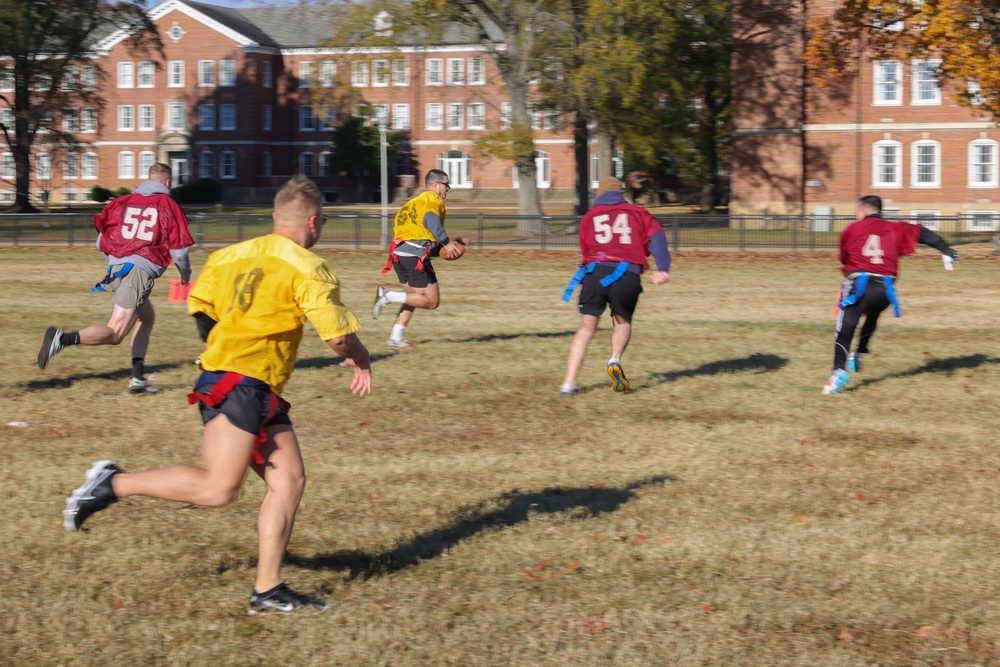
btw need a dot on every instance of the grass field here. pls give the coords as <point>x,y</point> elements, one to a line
<point>722,513</point>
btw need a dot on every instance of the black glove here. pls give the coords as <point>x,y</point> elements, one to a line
<point>955,257</point>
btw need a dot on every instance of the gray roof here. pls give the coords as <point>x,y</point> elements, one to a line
<point>235,19</point>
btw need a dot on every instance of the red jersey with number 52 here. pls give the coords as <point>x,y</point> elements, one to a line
<point>149,226</point>
<point>617,233</point>
<point>874,245</point>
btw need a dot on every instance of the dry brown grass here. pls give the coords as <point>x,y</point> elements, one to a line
<point>723,513</point>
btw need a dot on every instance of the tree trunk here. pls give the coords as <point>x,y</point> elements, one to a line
<point>22,168</point>
<point>581,154</point>
<point>605,155</point>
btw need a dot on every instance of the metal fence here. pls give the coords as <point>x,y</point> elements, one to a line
<point>503,232</point>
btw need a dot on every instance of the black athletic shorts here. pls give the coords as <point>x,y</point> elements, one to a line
<point>407,272</point>
<point>622,295</point>
<point>245,406</point>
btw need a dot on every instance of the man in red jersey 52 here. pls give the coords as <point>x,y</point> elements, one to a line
<point>140,234</point>
<point>870,249</point>
<point>615,239</point>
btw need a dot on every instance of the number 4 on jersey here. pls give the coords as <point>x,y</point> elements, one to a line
<point>873,249</point>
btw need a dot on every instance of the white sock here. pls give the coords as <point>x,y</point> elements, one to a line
<point>612,360</point>
<point>397,332</point>
<point>396,297</point>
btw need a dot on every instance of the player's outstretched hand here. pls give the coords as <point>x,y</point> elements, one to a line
<point>659,277</point>
<point>361,383</point>
<point>955,256</point>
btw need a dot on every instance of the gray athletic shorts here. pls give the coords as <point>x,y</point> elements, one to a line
<point>132,289</point>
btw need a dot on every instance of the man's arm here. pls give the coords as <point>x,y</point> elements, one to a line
<point>183,262</point>
<point>927,237</point>
<point>355,356</point>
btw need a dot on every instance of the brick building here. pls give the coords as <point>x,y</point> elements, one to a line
<point>242,96</point>
<point>891,131</point>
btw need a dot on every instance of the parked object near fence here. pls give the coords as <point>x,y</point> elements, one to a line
<point>497,232</point>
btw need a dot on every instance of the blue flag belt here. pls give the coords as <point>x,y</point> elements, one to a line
<point>111,277</point>
<point>861,283</point>
<point>612,277</point>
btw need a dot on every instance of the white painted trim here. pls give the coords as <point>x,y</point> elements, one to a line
<point>466,142</point>
<point>879,127</point>
<point>374,50</point>
<point>164,8</point>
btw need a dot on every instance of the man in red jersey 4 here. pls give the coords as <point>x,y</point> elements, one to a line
<point>140,234</point>
<point>870,249</point>
<point>615,239</point>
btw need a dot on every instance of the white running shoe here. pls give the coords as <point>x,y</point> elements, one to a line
<point>397,343</point>
<point>837,381</point>
<point>381,301</point>
<point>141,386</point>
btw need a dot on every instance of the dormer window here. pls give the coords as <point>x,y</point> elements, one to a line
<point>383,24</point>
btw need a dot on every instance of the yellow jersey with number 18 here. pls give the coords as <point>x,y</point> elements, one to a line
<point>409,222</point>
<point>261,292</point>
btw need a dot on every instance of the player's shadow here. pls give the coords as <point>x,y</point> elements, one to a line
<point>117,374</point>
<point>514,507</point>
<point>488,338</point>
<point>324,362</point>
<point>755,363</point>
<point>946,365</point>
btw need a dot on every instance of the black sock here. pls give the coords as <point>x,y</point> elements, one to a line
<point>138,367</point>
<point>71,338</point>
<point>267,592</point>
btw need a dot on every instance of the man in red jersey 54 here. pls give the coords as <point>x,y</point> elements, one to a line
<point>140,234</point>
<point>251,304</point>
<point>870,249</point>
<point>615,239</point>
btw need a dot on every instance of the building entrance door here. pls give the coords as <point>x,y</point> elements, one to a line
<point>179,167</point>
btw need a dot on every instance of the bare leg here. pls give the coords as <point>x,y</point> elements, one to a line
<point>140,336</point>
<point>284,474</point>
<point>620,336</point>
<point>225,456</point>
<point>578,347</point>
<point>121,322</point>
<point>427,298</point>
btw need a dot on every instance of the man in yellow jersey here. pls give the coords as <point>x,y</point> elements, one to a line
<point>418,232</point>
<point>251,303</point>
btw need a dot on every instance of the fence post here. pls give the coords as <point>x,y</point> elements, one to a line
<point>742,241</point>
<point>69,230</point>
<point>812,234</point>
<point>17,231</point>
<point>357,231</point>
<point>676,225</point>
<point>795,236</point>
<point>545,231</point>
<point>479,233</point>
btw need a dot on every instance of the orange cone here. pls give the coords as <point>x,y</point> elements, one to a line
<point>179,291</point>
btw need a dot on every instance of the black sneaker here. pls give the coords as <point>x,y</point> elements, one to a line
<point>95,494</point>
<point>51,346</point>
<point>283,600</point>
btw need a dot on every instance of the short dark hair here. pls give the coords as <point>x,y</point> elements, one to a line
<point>873,202</point>
<point>435,176</point>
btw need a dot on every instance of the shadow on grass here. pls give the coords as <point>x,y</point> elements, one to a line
<point>122,373</point>
<point>515,507</point>
<point>933,366</point>
<point>487,338</point>
<point>324,362</point>
<point>756,363</point>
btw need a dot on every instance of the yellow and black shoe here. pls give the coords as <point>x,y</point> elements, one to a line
<point>618,379</point>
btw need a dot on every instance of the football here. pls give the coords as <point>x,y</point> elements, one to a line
<point>452,251</point>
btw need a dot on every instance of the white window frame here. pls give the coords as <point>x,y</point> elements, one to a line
<point>400,116</point>
<point>6,78</point>
<point>328,120</point>
<point>307,157</point>
<point>71,81</point>
<point>505,115</point>
<point>434,72</point>
<point>975,166</point>
<point>267,76</point>
<point>175,74</point>
<point>146,160</point>
<point>88,166</point>
<point>126,118</point>
<point>928,218</point>
<point>325,168</point>
<point>543,171</point>
<point>227,117</point>
<point>206,74</point>
<point>454,116</point>
<point>267,117</point>
<point>307,119</point>
<point>477,71</point>
<point>380,73</point>
<point>147,74</point>
<point>923,72</point>
<point>359,73</point>
<point>126,74</point>
<point>7,166</point>
<point>143,117</point>
<point>266,163</point>
<point>455,72</point>
<point>227,73</point>
<point>227,165</point>
<point>477,116</point>
<point>206,117</point>
<point>916,154</point>
<point>126,165</point>
<point>70,121</point>
<point>206,164</point>
<point>434,116</point>
<point>400,72</point>
<point>877,164</point>
<point>328,74</point>
<point>177,109</point>
<point>880,83</point>
<point>88,77</point>
<point>43,166</point>
<point>458,168</point>
<point>975,221</point>
<point>306,73</point>
<point>88,119</point>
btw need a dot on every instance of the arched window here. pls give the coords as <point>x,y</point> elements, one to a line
<point>983,164</point>
<point>887,164</point>
<point>457,165</point>
<point>925,156</point>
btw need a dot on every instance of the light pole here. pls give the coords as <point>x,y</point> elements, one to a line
<point>384,242</point>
